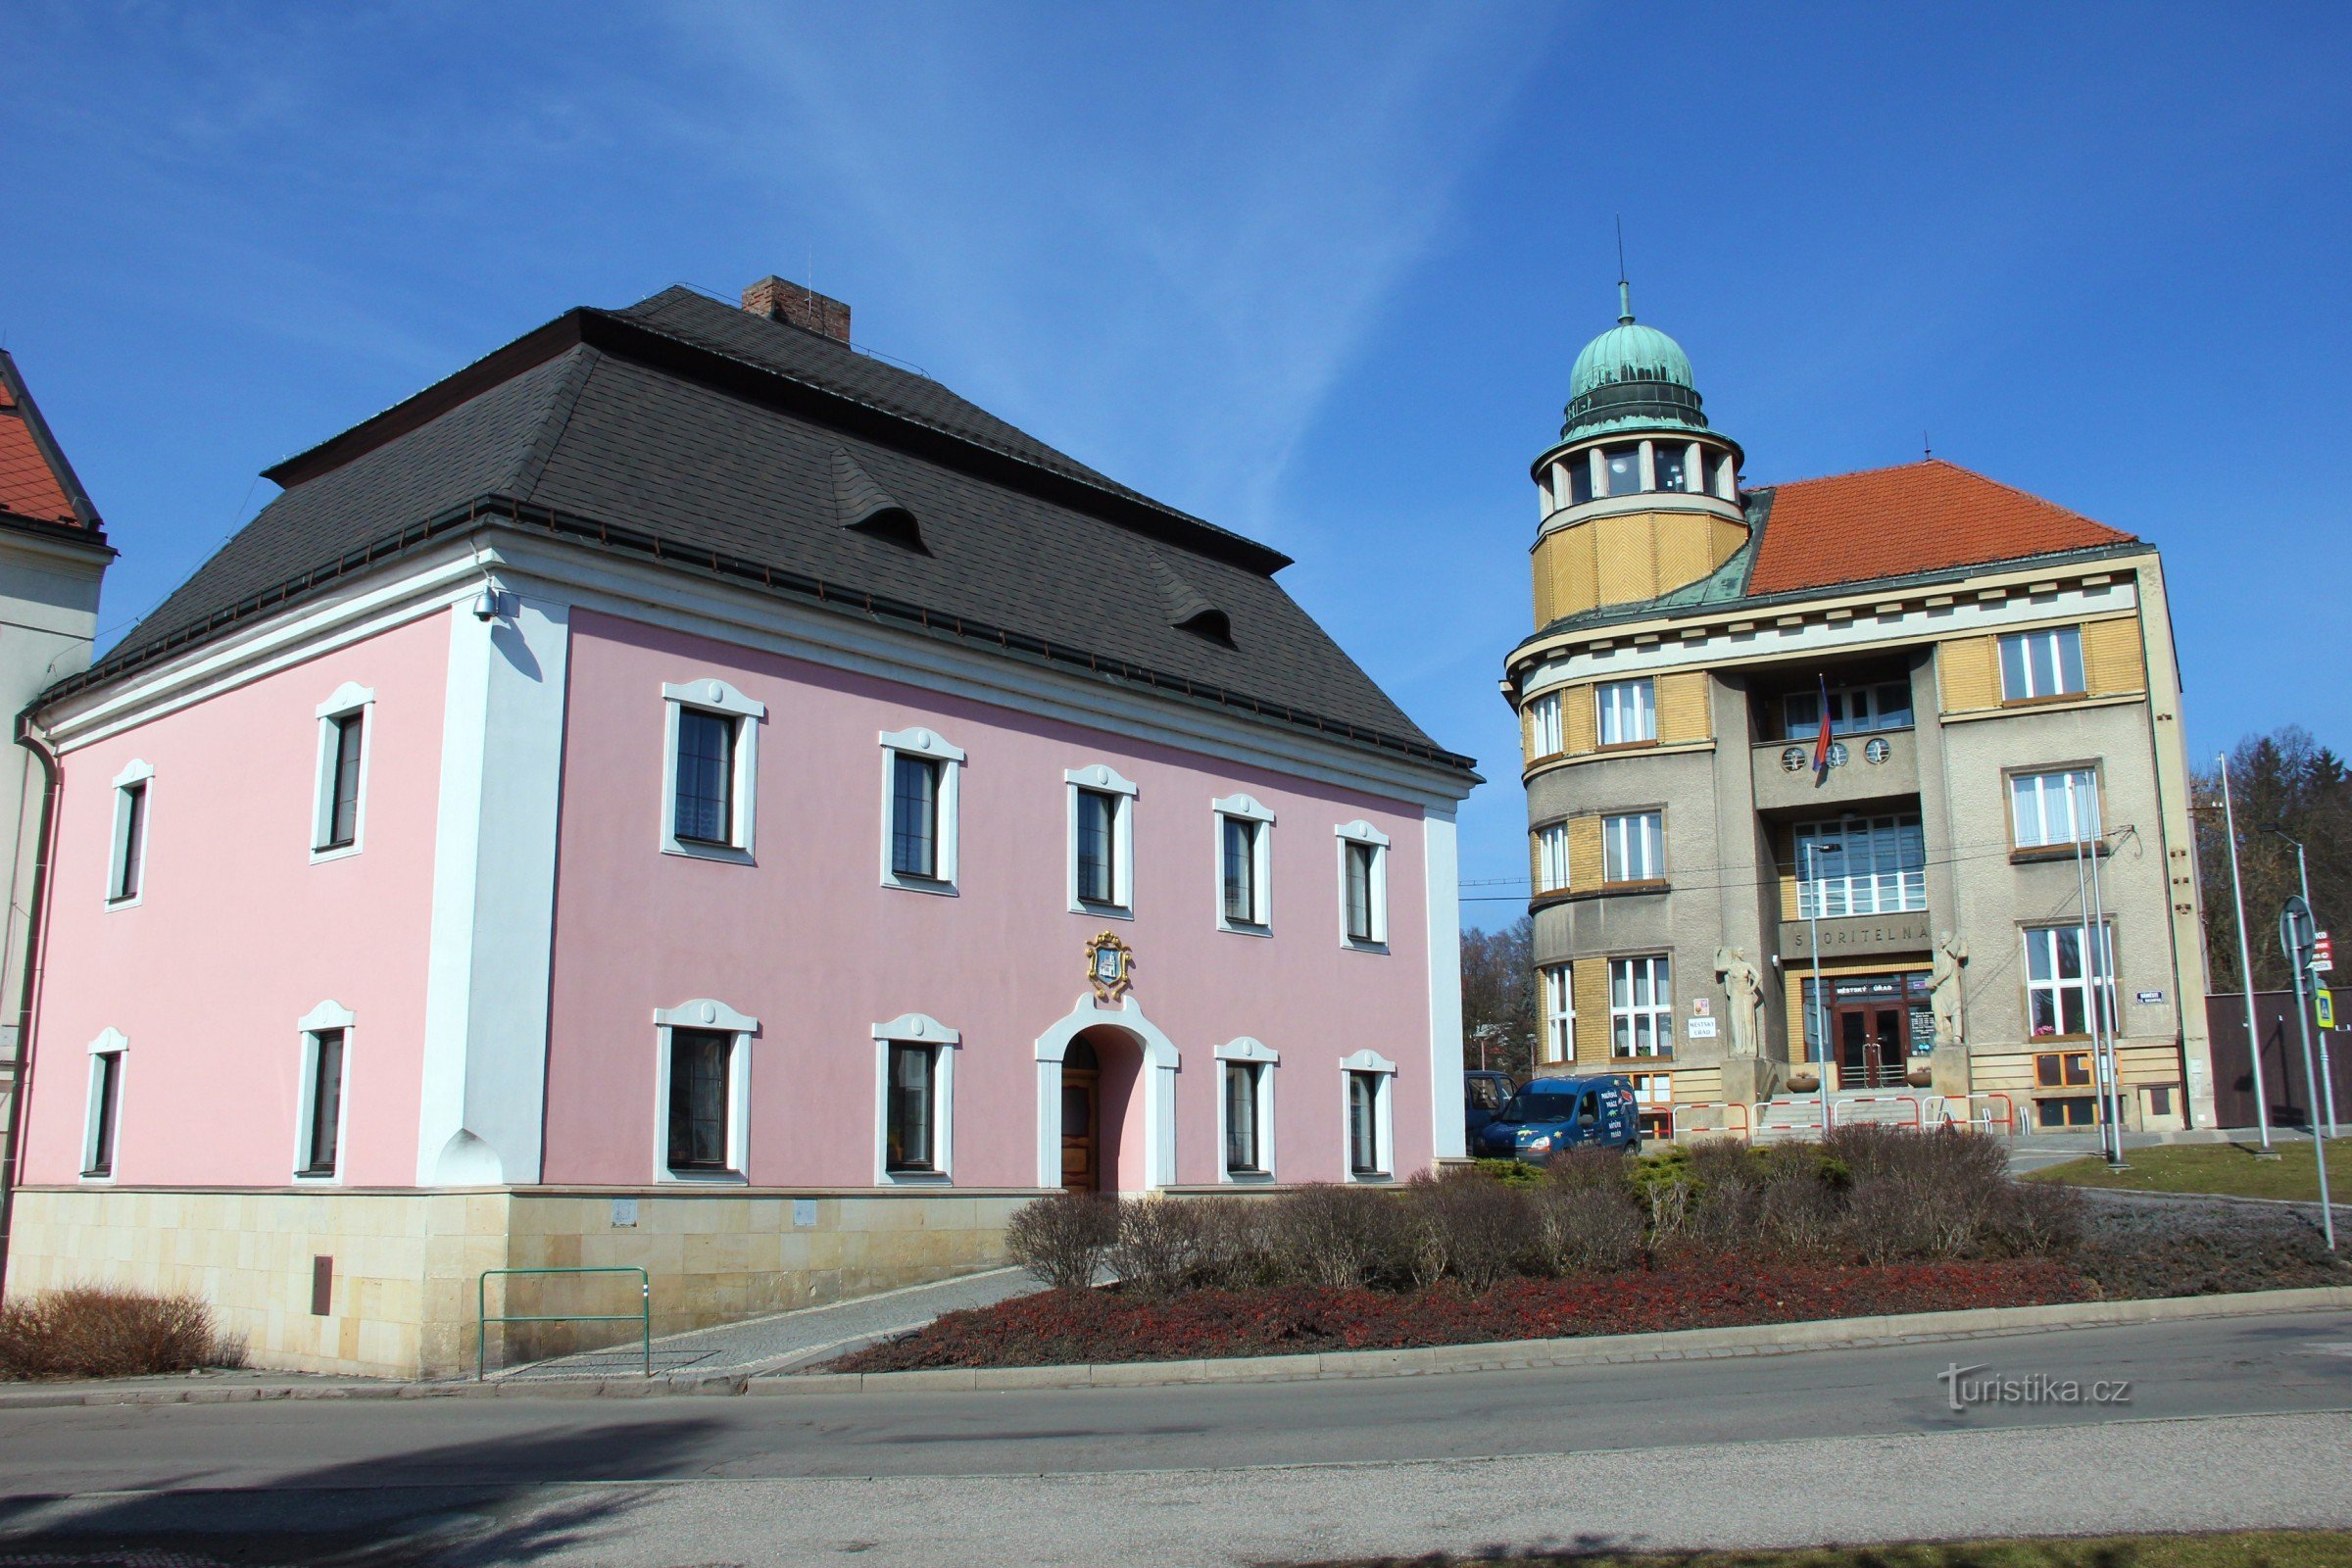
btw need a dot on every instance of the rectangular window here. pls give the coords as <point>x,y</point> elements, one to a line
<point>1552,858</point>
<point>1623,465</point>
<point>2071,1110</point>
<point>1628,712</point>
<point>1242,901</point>
<point>2062,1069</point>
<point>703,812</point>
<point>1241,1137</point>
<point>915,815</point>
<point>911,1118</point>
<point>106,1102</point>
<point>1853,709</point>
<point>1670,460</point>
<point>347,732</point>
<point>2041,664</point>
<point>2059,993</point>
<point>2043,813</point>
<point>130,843</point>
<point>1364,1090</point>
<point>1098,846</point>
<point>1560,1012</point>
<point>1580,478</point>
<point>1362,865</point>
<point>1634,847</point>
<point>698,1100</point>
<point>325,1109</point>
<point>1861,866</point>
<point>1544,737</point>
<point>1640,1007</point>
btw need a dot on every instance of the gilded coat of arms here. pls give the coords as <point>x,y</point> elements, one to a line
<point>1107,963</point>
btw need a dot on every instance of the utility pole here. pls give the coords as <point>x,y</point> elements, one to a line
<point>1814,849</point>
<point>2324,1093</point>
<point>2245,963</point>
<point>2098,976</point>
<point>2295,937</point>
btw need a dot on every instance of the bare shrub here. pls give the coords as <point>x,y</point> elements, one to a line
<point>1064,1238</point>
<point>1468,1225</point>
<point>1585,1229</point>
<point>1336,1236</point>
<point>1157,1247</point>
<point>1234,1252</point>
<point>2028,1218</point>
<point>106,1330</point>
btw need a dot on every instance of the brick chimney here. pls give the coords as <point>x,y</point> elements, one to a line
<point>797,306</point>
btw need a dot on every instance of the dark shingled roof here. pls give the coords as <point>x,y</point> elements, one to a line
<point>717,440</point>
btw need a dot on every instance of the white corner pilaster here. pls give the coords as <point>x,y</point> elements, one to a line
<point>494,882</point>
<point>1440,877</point>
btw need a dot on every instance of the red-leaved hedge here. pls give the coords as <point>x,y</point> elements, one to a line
<point>1061,1327</point>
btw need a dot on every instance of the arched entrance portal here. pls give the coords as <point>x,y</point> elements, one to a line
<point>1105,1103</point>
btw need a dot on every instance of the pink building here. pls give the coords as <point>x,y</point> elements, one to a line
<point>681,792</point>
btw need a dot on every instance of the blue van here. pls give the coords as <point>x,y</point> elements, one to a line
<point>1549,1115</point>
<point>1483,1095</point>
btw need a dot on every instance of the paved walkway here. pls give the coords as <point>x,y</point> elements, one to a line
<point>784,1341</point>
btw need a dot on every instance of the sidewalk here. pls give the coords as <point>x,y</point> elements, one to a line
<point>783,1341</point>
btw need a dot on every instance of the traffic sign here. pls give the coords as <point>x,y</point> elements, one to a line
<point>2323,951</point>
<point>2296,931</point>
<point>2327,1009</point>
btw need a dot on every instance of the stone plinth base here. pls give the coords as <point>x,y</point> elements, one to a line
<point>406,1266</point>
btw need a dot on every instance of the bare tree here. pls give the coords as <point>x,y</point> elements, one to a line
<point>1498,993</point>
<point>2289,779</point>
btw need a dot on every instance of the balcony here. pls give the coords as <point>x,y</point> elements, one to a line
<point>1870,766</point>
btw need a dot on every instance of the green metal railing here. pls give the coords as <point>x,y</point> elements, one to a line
<point>644,1316</point>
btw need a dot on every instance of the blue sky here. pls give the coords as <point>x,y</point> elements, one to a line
<point>1314,273</point>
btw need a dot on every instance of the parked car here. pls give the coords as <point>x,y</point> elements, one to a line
<point>1549,1115</point>
<point>1484,1094</point>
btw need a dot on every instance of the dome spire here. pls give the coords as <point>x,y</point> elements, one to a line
<point>1625,290</point>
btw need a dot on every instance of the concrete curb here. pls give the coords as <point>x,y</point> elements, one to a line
<point>1762,1339</point>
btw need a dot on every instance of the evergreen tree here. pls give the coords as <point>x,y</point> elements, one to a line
<point>2289,779</point>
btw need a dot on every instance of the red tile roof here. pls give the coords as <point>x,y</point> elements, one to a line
<point>1918,517</point>
<point>30,484</point>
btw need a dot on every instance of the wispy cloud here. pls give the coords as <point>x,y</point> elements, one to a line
<point>1157,243</point>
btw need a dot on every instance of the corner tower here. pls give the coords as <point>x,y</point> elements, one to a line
<point>1639,496</point>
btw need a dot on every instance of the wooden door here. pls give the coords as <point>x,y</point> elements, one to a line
<point>1081,1130</point>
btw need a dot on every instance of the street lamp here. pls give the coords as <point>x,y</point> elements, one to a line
<point>2245,961</point>
<point>1814,849</point>
<point>2324,1093</point>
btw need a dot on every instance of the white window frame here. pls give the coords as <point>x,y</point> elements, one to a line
<point>1245,808</point>
<point>1545,735</point>
<point>1652,1091</point>
<point>1102,779</point>
<point>917,1029</point>
<point>717,1017</point>
<point>1552,858</point>
<point>1858,711</point>
<point>1365,835</point>
<point>349,699</point>
<point>2078,821</point>
<point>2089,985</point>
<point>1632,846</point>
<point>135,772</point>
<point>110,1042</point>
<point>1659,1010</point>
<point>1383,1115</point>
<point>2055,641</point>
<point>1841,890</point>
<point>328,1017</point>
<point>1555,985</point>
<point>712,695</point>
<point>928,745</point>
<point>1616,704</point>
<point>1248,1052</point>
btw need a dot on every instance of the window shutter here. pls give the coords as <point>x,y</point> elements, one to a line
<point>1683,708</point>
<point>1580,721</point>
<point>1971,671</point>
<point>1584,853</point>
<point>1589,984</point>
<point>2112,662</point>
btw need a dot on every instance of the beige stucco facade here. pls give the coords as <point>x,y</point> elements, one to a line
<point>404,1267</point>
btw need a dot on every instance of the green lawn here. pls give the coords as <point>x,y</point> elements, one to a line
<point>2253,1549</point>
<point>2227,1168</point>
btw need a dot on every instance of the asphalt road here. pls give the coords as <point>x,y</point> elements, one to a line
<point>2228,1422</point>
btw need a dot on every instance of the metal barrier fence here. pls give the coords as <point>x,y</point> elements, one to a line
<point>1987,1111</point>
<point>644,1316</point>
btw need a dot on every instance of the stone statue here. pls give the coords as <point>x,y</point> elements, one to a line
<point>1943,988</point>
<point>1744,987</point>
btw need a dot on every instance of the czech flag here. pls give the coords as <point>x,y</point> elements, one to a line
<point>1821,742</point>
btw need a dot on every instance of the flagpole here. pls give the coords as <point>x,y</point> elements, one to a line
<point>2245,963</point>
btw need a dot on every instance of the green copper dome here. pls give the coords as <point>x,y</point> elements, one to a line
<point>1631,378</point>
